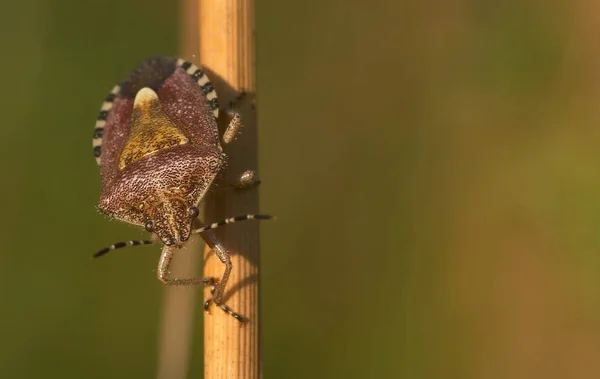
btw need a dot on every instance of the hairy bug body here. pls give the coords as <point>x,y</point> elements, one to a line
<point>158,147</point>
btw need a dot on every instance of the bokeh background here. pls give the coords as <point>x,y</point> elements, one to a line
<point>434,167</point>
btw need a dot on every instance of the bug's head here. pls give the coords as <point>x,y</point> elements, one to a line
<point>171,220</point>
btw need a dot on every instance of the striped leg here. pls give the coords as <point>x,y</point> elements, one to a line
<point>163,272</point>
<point>119,245</point>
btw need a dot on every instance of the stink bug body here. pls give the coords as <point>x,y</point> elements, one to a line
<point>158,147</point>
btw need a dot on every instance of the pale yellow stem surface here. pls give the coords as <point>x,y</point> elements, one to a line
<point>226,41</point>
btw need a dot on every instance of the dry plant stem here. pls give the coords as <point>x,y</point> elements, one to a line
<point>180,308</point>
<point>220,33</point>
<point>231,350</point>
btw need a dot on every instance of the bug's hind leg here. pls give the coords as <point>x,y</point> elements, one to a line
<point>235,123</point>
<point>248,178</point>
<point>232,129</point>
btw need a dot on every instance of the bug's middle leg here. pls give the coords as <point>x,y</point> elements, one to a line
<point>247,179</point>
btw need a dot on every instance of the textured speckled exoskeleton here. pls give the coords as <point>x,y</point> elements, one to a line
<point>158,147</point>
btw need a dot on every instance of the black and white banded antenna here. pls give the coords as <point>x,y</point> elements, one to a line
<point>214,225</point>
<point>120,245</point>
<point>232,220</point>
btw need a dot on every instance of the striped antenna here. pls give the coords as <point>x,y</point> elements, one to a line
<point>231,220</point>
<point>119,245</point>
<point>214,225</point>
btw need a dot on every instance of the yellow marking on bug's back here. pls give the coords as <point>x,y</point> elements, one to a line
<point>151,129</point>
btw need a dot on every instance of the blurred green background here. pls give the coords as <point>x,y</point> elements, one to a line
<point>434,167</point>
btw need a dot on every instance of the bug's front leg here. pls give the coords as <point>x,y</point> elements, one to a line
<point>163,272</point>
<point>211,240</point>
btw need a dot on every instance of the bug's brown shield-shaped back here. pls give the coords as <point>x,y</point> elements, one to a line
<point>160,146</point>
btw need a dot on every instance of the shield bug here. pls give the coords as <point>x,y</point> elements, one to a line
<point>158,147</point>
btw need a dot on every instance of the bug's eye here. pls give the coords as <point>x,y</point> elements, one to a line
<point>194,212</point>
<point>148,226</point>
